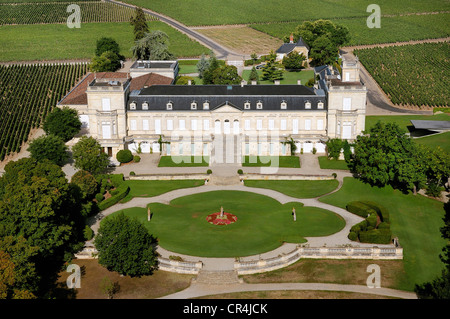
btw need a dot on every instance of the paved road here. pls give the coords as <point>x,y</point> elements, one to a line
<point>220,51</point>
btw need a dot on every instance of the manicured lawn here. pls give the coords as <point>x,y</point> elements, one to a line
<point>326,163</point>
<point>183,161</point>
<point>298,189</point>
<point>288,77</point>
<point>155,188</point>
<point>186,69</point>
<point>272,161</point>
<point>415,220</point>
<point>442,140</point>
<point>263,224</point>
<point>58,42</point>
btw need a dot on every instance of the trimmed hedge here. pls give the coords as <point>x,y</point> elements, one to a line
<point>120,192</point>
<point>124,156</point>
<point>368,231</point>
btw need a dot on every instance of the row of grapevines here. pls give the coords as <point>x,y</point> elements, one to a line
<point>34,13</point>
<point>27,94</point>
<point>411,74</point>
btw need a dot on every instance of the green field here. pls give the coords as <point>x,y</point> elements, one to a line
<point>263,224</point>
<point>58,42</point>
<point>415,220</point>
<point>183,161</point>
<point>218,12</point>
<point>326,163</point>
<point>393,29</point>
<point>272,161</point>
<point>288,77</point>
<point>298,189</point>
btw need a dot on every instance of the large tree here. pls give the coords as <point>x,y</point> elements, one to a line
<point>105,44</point>
<point>152,46</point>
<point>226,74</point>
<point>294,61</point>
<point>273,70</point>
<point>108,61</point>
<point>41,224</point>
<point>139,23</point>
<point>63,123</point>
<point>88,155</point>
<point>324,39</point>
<point>49,147</point>
<point>125,245</point>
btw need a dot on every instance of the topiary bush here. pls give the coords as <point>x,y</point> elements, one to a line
<point>124,156</point>
<point>136,159</point>
<point>99,197</point>
<point>240,172</point>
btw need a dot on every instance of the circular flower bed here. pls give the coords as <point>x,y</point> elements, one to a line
<point>216,219</point>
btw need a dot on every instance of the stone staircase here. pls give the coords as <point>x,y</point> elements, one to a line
<point>223,180</point>
<point>217,277</point>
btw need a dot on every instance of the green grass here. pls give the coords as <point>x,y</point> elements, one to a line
<point>186,69</point>
<point>415,220</point>
<point>441,140</point>
<point>139,188</point>
<point>263,224</point>
<point>393,29</point>
<point>183,161</point>
<point>288,77</point>
<point>326,163</point>
<point>218,12</point>
<point>272,161</point>
<point>298,189</point>
<point>58,42</point>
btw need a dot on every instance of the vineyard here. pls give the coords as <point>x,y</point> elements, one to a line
<point>411,74</point>
<point>56,12</point>
<point>28,93</point>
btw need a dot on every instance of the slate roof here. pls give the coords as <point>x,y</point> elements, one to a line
<point>431,125</point>
<point>181,97</point>
<point>289,47</point>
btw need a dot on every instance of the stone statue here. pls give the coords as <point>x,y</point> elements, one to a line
<point>294,214</point>
<point>149,214</point>
<point>221,211</point>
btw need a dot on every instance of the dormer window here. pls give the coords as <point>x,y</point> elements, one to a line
<point>206,105</point>
<point>193,105</point>
<point>320,105</point>
<point>283,105</point>
<point>133,106</point>
<point>169,105</point>
<point>145,106</point>
<point>308,105</point>
<point>259,105</point>
<point>247,105</point>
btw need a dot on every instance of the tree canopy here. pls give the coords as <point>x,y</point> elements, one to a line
<point>294,61</point>
<point>87,154</point>
<point>49,147</point>
<point>139,23</point>
<point>63,123</point>
<point>152,46</point>
<point>125,245</point>
<point>272,71</point>
<point>108,61</point>
<point>105,44</point>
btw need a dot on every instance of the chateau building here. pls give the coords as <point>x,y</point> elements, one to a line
<point>144,110</point>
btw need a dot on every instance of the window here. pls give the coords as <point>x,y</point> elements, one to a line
<point>283,124</point>
<point>106,104</point>
<point>308,124</point>
<point>194,125</point>
<point>169,105</point>
<point>206,125</point>
<point>295,126</point>
<point>132,106</point>
<point>145,106</point>
<point>259,125</point>
<point>320,105</point>
<point>181,125</point>
<point>157,126</point>
<point>347,104</point>
<point>320,125</point>
<point>247,125</point>
<point>106,130</point>
<point>259,105</point>
<point>169,125</point>
<point>236,127</point>
<point>206,105</point>
<point>180,149</point>
<point>217,129</point>
<point>145,125</point>
<point>133,125</point>
<point>271,124</point>
<point>194,105</point>
<point>247,105</point>
<point>308,105</point>
<point>283,105</point>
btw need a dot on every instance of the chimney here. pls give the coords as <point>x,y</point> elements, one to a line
<point>291,38</point>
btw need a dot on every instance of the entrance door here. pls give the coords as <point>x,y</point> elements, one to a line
<point>347,131</point>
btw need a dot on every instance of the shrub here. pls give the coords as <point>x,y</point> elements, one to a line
<point>136,159</point>
<point>334,147</point>
<point>376,236</point>
<point>122,191</point>
<point>132,173</point>
<point>334,175</point>
<point>240,172</point>
<point>88,233</point>
<point>209,172</point>
<point>124,156</point>
<point>314,150</point>
<point>353,236</point>
<point>116,179</point>
<point>99,197</point>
